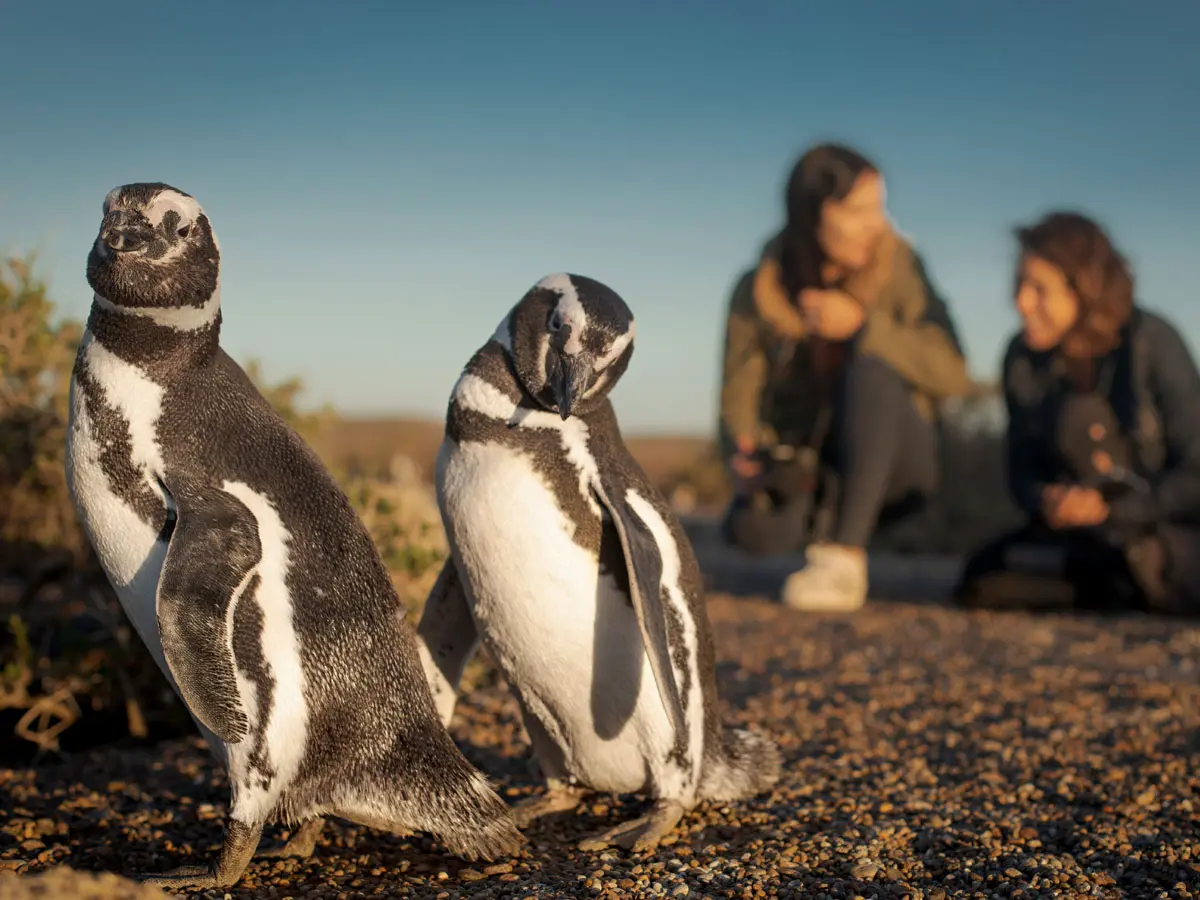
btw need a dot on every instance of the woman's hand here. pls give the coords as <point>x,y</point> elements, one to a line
<point>745,465</point>
<point>1070,506</point>
<point>831,314</point>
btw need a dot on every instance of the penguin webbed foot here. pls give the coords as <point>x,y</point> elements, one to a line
<point>241,839</point>
<point>558,798</point>
<point>300,845</point>
<point>640,834</point>
<point>199,877</point>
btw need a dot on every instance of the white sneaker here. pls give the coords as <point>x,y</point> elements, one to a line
<point>834,579</point>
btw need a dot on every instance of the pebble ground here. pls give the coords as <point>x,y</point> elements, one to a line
<point>930,753</point>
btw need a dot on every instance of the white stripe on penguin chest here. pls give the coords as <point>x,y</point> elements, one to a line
<point>126,545</point>
<point>567,637</point>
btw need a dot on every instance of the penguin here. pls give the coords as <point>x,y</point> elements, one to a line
<point>243,567</point>
<point>577,575</point>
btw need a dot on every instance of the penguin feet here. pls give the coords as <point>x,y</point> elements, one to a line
<point>639,834</point>
<point>558,798</point>
<point>300,845</point>
<point>198,877</point>
<point>240,840</point>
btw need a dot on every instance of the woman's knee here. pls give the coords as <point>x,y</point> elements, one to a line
<point>871,379</point>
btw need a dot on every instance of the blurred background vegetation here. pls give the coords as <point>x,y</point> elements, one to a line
<point>73,674</point>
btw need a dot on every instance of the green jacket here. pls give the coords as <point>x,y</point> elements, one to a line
<point>908,325</point>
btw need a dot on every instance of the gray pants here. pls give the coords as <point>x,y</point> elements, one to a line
<point>884,457</point>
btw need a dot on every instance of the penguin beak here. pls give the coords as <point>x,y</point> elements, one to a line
<point>570,381</point>
<point>123,230</point>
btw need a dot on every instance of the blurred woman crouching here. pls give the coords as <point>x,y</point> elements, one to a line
<point>838,353</point>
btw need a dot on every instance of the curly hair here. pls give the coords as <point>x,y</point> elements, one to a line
<point>1095,271</point>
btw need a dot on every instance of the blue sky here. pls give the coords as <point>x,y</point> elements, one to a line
<point>386,178</point>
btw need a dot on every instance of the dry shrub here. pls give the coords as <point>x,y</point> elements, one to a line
<point>400,510</point>
<point>37,517</point>
<point>70,654</point>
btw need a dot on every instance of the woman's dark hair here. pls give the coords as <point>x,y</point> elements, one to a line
<point>1095,271</point>
<point>825,172</point>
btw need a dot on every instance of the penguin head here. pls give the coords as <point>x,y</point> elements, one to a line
<point>155,250</point>
<point>570,338</point>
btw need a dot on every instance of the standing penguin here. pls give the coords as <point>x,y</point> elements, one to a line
<point>577,574</point>
<point>244,568</point>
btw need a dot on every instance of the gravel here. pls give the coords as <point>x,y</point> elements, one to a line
<point>931,753</point>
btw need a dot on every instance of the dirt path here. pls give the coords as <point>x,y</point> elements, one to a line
<point>930,753</point>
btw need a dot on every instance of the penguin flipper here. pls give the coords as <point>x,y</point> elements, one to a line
<point>213,548</point>
<point>644,560</point>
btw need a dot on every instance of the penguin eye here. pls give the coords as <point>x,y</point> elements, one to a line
<point>173,220</point>
<point>555,322</point>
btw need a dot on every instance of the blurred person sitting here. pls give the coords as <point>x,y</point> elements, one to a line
<point>837,352</point>
<point>1103,440</point>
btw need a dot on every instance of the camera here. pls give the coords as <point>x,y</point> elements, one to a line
<point>788,472</point>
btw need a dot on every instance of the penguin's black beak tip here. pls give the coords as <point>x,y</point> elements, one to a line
<point>564,398</point>
<point>570,382</point>
<point>123,231</point>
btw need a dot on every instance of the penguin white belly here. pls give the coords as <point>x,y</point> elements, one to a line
<point>126,546</point>
<point>567,638</point>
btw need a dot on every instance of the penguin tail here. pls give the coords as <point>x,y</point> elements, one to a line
<point>470,820</point>
<point>747,764</point>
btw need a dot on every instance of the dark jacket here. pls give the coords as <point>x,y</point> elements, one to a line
<point>1154,390</point>
<point>908,326</point>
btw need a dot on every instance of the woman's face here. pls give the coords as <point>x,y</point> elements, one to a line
<point>1046,302</point>
<point>851,227</point>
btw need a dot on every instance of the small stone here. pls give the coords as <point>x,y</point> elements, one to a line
<point>498,869</point>
<point>471,875</point>
<point>864,871</point>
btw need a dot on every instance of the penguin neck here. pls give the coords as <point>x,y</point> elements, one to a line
<point>164,341</point>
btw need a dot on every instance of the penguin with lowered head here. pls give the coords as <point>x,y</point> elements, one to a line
<point>578,576</point>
